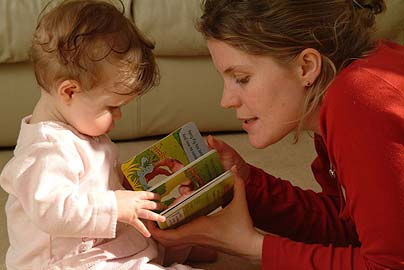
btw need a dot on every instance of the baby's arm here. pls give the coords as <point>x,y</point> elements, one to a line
<point>48,182</point>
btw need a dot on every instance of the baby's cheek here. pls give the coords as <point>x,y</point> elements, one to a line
<point>103,123</point>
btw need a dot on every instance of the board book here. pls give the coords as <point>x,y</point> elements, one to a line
<point>181,158</point>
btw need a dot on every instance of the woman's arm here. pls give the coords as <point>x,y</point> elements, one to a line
<point>278,207</point>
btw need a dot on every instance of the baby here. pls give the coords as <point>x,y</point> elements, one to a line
<point>66,207</point>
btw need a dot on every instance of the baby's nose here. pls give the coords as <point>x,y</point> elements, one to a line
<point>117,114</point>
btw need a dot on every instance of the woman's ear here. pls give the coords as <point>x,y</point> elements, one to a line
<point>309,63</point>
<point>67,89</point>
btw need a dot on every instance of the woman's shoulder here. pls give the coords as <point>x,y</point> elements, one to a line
<point>368,94</point>
<point>371,80</point>
<point>386,62</point>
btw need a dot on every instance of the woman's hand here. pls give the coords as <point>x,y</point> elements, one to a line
<point>136,205</point>
<point>229,157</point>
<point>230,230</point>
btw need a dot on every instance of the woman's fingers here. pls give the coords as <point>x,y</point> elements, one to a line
<point>229,156</point>
<point>214,143</point>
<point>166,240</point>
<point>239,195</point>
<point>185,235</point>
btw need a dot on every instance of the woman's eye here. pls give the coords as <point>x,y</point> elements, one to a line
<point>242,80</point>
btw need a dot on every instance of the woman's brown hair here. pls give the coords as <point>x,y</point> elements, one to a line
<point>341,30</point>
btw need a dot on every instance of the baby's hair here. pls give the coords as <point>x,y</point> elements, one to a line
<point>73,40</point>
<point>341,30</point>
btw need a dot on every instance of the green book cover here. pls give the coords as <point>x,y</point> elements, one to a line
<point>164,157</point>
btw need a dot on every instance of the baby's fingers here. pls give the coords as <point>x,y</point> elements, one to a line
<point>150,215</point>
<point>141,228</point>
<point>147,195</point>
<point>151,205</point>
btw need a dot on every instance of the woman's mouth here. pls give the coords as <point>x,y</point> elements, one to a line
<point>248,123</point>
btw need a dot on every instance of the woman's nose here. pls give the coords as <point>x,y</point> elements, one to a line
<point>229,99</point>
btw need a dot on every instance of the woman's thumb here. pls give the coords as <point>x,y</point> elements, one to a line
<point>239,187</point>
<point>215,143</point>
<point>211,141</point>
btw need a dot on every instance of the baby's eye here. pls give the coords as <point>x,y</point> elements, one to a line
<point>242,80</point>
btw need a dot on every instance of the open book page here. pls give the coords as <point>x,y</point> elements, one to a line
<point>165,157</point>
<point>201,202</point>
<point>197,174</point>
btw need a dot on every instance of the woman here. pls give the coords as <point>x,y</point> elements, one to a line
<point>315,66</point>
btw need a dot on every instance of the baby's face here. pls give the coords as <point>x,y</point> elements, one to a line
<point>94,112</point>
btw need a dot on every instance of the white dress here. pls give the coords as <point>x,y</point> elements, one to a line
<point>62,211</point>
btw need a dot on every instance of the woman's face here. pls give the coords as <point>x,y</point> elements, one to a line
<point>268,97</point>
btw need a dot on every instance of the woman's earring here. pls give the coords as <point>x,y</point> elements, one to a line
<point>308,84</point>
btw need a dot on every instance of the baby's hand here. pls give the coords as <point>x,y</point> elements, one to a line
<point>136,205</point>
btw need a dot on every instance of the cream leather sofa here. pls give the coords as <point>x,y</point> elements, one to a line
<point>190,90</point>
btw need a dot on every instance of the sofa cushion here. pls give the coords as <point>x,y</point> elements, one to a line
<point>169,23</point>
<point>17,23</point>
<point>190,90</point>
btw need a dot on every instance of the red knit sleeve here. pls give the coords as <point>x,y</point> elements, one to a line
<point>285,254</point>
<point>278,207</point>
<point>305,222</point>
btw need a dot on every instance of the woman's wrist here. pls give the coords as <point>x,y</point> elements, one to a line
<point>255,254</point>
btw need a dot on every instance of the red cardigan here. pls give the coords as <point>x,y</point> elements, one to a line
<point>362,125</point>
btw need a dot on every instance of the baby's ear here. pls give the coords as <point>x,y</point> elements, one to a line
<point>67,89</point>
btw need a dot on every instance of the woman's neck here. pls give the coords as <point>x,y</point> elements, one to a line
<point>312,122</point>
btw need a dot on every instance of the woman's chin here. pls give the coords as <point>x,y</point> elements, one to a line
<point>261,142</point>
<point>257,143</point>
